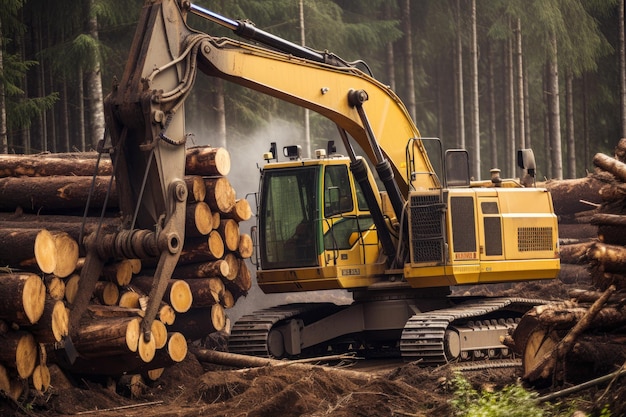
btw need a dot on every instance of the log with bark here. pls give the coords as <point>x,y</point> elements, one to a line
<point>229,231</point>
<point>198,323</point>
<point>111,331</point>
<point>240,212</point>
<point>206,291</point>
<point>204,160</point>
<point>200,160</point>
<point>53,324</point>
<point>199,220</point>
<point>220,195</point>
<point>22,298</point>
<point>130,363</point>
<point>209,248</point>
<point>547,333</point>
<point>607,258</point>
<point>48,165</point>
<point>212,269</point>
<point>54,194</point>
<point>97,338</point>
<point>572,196</point>
<point>19,351</point>
<point>178,295</point>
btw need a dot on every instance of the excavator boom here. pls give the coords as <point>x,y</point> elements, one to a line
<point>323,222</point>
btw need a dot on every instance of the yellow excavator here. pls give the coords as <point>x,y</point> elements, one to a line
<point>397,237</point>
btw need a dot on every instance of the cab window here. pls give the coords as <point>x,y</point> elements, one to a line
<point>337,191</point>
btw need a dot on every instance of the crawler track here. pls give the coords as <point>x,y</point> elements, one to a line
<point>468,331</point>
<point>429,337</point>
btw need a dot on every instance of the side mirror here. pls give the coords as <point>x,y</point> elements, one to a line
<point>526,161</point>
<point>457,168</point>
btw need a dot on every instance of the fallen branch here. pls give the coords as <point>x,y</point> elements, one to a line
<point>580,387</point>
<point>121,407</point>
<point>244,361</point>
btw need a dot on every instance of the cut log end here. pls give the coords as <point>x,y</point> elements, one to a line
<point>159,333</point>
<point>177,347</point>
<point>26,355</point>
<point>33,298</point>
<point>146,349</point>
<point>45,252</point>
<point>133,333</point>
<point>180,296</point>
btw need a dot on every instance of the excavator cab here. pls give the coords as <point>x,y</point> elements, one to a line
<point>315,227</point>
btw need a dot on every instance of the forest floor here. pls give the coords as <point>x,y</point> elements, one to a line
<point>192,388</point>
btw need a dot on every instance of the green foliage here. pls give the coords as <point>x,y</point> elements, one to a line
<point>511,401</point>
<point>22,112</point>
<point>605,412</point>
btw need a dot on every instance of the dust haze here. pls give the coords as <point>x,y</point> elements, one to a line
<point>246,161</point>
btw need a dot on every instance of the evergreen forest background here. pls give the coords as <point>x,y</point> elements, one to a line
<point>491,76</point>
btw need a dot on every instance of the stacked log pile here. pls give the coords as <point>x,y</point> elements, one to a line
<point>41,259</point>
<point>584,336</point>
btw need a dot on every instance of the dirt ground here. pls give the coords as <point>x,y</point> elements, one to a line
<point>191,388</point>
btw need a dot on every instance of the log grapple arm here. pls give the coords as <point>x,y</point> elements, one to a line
<point>146,127</point>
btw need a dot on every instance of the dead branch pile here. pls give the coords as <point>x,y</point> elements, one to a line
<point>41,258</point>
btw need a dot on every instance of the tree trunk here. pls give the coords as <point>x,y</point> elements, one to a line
<point>547,143</point>
<point>390,67</point>
<point>82,134</point>
<point>622,66</point>
<point>94,84</point>
<point>458,75</point>
<point>408,59</point>
<point>569,125</point>
<point>520,86</point>
<point>220,112</point>
<point>493,132</point>
<point>4,138</point>
<point>554,110</point>
<point>65,117</point>
<point>475,163</point>
<point>510,108</point>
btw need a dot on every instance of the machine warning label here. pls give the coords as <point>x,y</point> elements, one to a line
<point>460,256</point>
